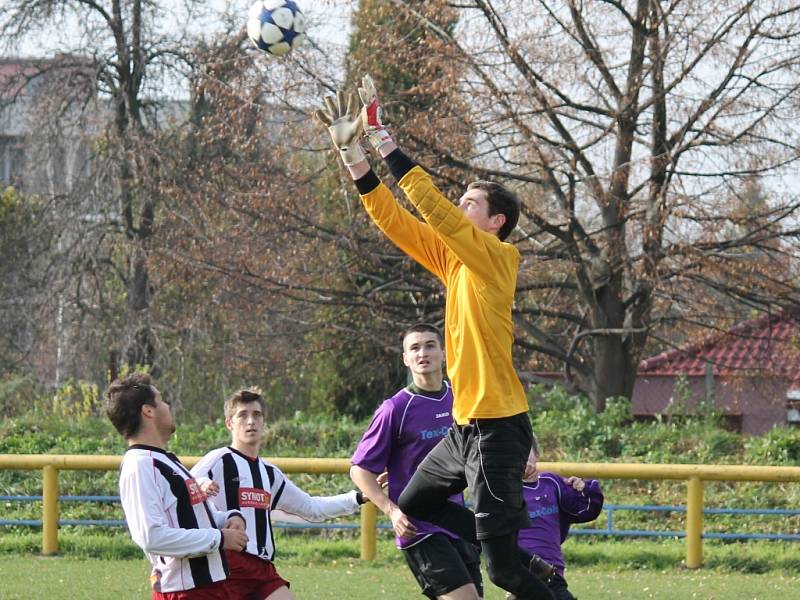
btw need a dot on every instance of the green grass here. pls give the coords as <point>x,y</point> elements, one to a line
<point>302,548</point>
<point>62,578</point>
<point>101,565</point>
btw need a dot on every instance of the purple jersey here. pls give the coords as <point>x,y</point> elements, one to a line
<point>404,429</point>
<point>553,506</point>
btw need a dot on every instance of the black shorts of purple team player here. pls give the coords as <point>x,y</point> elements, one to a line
<point>442,564</point>
<point>487,456</point>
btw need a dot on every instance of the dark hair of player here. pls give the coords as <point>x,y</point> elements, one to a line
<point>243,396</point>
<point>424,328</point>
<point>123,401</point>
<point>501,200</point>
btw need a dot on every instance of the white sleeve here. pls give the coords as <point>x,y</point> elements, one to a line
<point>144,511</point>
<point>284,517</point>
<point>209,468</point>
<point>294,501</point>
<point>200,471</point>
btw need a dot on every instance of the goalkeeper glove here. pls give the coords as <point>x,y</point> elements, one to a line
<point>372,114</point>
<point>344,124</point>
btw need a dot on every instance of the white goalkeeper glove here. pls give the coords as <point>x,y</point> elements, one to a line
<point>372,114</point>
<point>343,120</point>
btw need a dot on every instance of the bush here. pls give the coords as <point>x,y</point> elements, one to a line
<point>779,446</point>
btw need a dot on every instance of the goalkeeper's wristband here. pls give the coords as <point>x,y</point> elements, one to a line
<point>360,498</point>
<point>378,137</point>
<point>221,540</point>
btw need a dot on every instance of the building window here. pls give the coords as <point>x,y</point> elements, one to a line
<point>12,160</point>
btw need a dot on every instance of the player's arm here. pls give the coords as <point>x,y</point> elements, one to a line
<point>143,506</point>
<point>209,475</point>
<point>478,250</point>
<point>367,482</point>
<point>580,500</point>
<point>413,237</point>
<point>371,457</point>
<point>292,500</point>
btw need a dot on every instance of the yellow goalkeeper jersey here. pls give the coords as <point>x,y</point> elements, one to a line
<point>480,273</point>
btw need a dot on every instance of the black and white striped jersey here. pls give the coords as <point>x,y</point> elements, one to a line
<point>256,487</point>
<point>169,518</point>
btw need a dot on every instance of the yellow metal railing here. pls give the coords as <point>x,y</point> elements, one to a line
<point>694,475</point>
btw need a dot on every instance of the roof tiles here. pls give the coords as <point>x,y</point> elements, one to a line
<point>770,343</point>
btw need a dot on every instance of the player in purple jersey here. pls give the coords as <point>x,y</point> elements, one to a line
<point>402,432</point>
<point>554,503</point>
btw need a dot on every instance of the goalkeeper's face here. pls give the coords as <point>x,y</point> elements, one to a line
<point>475,206</point>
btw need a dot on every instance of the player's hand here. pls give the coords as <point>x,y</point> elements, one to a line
<point>576,482</point>
<point>235,522</point>
<point>372,114</point>
<point>383,479</point>
<point>343,120</point>
<point>530,473</point>
<point>233,539</point>
<point>402,525</point>
<point>210,487</point>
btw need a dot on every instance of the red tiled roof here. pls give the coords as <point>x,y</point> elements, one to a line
<point>770,343</point>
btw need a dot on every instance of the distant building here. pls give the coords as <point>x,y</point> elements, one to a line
<point>750,374</point>
<point>44,132</point>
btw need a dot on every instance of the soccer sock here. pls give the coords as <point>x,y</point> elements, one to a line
<point>512,575</point>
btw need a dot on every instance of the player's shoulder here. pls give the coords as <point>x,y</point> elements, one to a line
<point>137,456</point>
<point>274,472</point>
<point>135,459</point>
<point>399,399</point>
<point>215,454</point>
<point>139,461</point>
<point>547,478</point>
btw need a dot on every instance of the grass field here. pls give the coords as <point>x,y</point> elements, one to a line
<point>95,579</point>
<point>96,566</point>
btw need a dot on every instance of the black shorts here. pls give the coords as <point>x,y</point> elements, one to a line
<point>442,564</point>
<point>487,456</point>
<point>558,585</point>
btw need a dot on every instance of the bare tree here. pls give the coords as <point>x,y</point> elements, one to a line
<point>630,129</point>
<point>632,125</point>
<point>132,54</point>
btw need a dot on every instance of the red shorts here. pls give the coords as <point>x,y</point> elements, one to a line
<point>219,590</point>
<point>251,577</point>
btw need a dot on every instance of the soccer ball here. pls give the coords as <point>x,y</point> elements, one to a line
<point>276,26</point>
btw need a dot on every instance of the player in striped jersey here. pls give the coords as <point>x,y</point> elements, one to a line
<point>167,513</point>
<point>238,479</point>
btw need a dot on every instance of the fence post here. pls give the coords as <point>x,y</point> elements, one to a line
<point>49,510</point>
<point>694,523</point>
<point>369,521</point>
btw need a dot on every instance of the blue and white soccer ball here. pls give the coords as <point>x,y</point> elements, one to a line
<point>276,26</point>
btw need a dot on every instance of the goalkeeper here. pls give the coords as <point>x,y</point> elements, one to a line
<point>463,246</point>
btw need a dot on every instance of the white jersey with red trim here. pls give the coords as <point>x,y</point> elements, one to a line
<point>169,518</point>
<point>255,487</point>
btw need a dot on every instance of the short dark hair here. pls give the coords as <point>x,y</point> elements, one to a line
<point>123,401</point>
<point>501,200</point>
<point>424,328</point>
<point>243,396</point>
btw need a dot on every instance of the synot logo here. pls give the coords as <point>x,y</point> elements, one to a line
<point>253,498</point>
<point>196,494</point>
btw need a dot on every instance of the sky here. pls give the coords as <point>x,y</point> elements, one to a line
<point>327,20</point>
